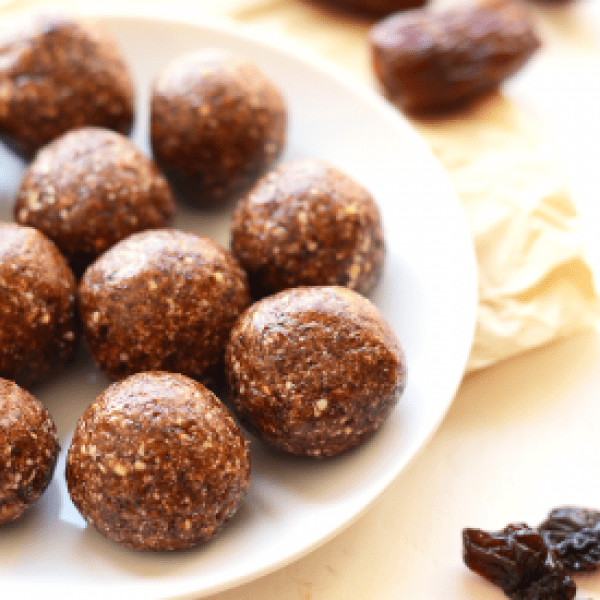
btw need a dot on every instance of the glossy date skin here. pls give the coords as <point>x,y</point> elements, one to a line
<point>518,560</point>
<point>537,563</point>
<point>433,60</point>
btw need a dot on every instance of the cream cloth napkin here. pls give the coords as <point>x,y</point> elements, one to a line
<point>534,283</point>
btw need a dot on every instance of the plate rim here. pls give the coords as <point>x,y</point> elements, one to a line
<point>296,51</point>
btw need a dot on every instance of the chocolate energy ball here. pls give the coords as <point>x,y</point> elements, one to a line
<point>38,313</point>
<point>58,73</point>
<point>28,450</point>
<point>157,463</point>
<point>216,123</point>
<point>161,300</point>
<point>90,188</point>
<point>314,370</point>
<point>307,223</point>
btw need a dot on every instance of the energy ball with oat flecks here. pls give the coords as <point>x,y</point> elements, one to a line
<point>161,300</point>
<point>28,450</point>
<point>90,188</point>
<point>157,463</point>
<point>39,329</point>
<point>217,122</point>
<point>314,370</point>
<point>308,223</point>
<point>58,73</point>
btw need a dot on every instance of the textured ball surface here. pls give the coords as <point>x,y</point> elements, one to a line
<point>90,188</point>
<point>307,223</point>
<point>28,450</point>
<point>315,370</point>
<point>161,300</point>
<point>63,73</point>
<point>217,122</point>
<point>157,463</point>
<point>38,310</point>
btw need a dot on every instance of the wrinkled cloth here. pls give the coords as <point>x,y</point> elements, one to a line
<point>534,282</point>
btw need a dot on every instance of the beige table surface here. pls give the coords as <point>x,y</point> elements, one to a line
<point>522,436</point>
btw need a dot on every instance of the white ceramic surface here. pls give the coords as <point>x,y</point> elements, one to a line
<point>428,292</point>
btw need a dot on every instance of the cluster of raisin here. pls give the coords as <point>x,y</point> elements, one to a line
<point>537,563</point>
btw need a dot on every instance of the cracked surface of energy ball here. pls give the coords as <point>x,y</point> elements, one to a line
<point>157,463</point>
<point>161,300</point>
<point>58,73</point>
<point>90,188</point>
<point>28,450</point>
<point>39,331</point>
<point>314,371</point>
<point>308,223</point>
<point>217,122</point>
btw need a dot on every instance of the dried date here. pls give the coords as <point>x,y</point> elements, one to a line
<point>518,560</point>
<point>431,60</point>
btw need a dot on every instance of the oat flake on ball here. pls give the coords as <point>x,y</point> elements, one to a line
<point>314,370</point>
<point>28,450</point>
<point>90,188</point>
<point>217,122</point>
<point>161,300</point>
<point>157,463</point>
<point>39,330</point>
<point>58,73</point>
<point>308,223</point>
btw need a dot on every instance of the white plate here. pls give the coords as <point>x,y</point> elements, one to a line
<point>428,292</point>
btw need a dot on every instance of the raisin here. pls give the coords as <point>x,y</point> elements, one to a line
<point>518,560</point>
<point>433,59</point>
<point>574,535</point>
<point>550,586</point>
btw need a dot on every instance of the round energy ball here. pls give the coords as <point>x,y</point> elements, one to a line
<point>157,463</point>
<point>307,223</point>
<point>90,188</point>
<point>161,300</point>
<point>314,370</point>
<point>216,123</point>
<point>28,450</point>
<point>62,73</point>
<point>38,313</point>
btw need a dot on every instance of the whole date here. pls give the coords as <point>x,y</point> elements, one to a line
<point>433,59</point>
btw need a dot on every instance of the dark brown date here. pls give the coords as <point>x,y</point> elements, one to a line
<point>518,560</point>
<point>432,60</point>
